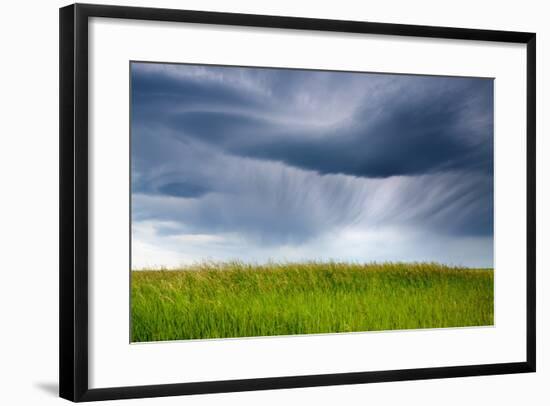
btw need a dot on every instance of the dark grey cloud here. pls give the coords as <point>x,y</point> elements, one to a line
<point>420,125</point>
<point>283,157</point>
<point>274,203</point>
<point>182,189</point>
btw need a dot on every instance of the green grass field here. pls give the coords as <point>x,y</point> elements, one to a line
<point>242,300</point>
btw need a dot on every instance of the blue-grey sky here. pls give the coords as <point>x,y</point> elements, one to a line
<point>289,165</point>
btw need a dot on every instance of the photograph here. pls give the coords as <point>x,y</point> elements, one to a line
<point>275,200</point>
<point>280,201</point>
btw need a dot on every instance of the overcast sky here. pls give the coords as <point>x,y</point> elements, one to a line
<point>289,165</point>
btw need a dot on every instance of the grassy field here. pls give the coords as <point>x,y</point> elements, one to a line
<point>241,300</point>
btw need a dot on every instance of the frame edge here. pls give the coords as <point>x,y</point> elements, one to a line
<point>73,203</point>
<point>531,113</point>
<point>67,366</point>
<point>292,382</point>
<point>302,23</point>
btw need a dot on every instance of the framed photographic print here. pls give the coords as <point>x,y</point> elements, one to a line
<point>257,202</point>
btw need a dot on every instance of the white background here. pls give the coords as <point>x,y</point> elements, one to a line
<point>28,166</point>
<point>115,363</point>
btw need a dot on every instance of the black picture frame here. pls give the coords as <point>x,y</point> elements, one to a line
<point>73,254</point>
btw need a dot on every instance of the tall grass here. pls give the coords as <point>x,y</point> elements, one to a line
<point>218,300</point>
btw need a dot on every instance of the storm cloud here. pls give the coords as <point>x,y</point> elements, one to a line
<point>260,164</point>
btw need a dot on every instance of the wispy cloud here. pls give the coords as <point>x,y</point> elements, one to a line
<point>272,162</point>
